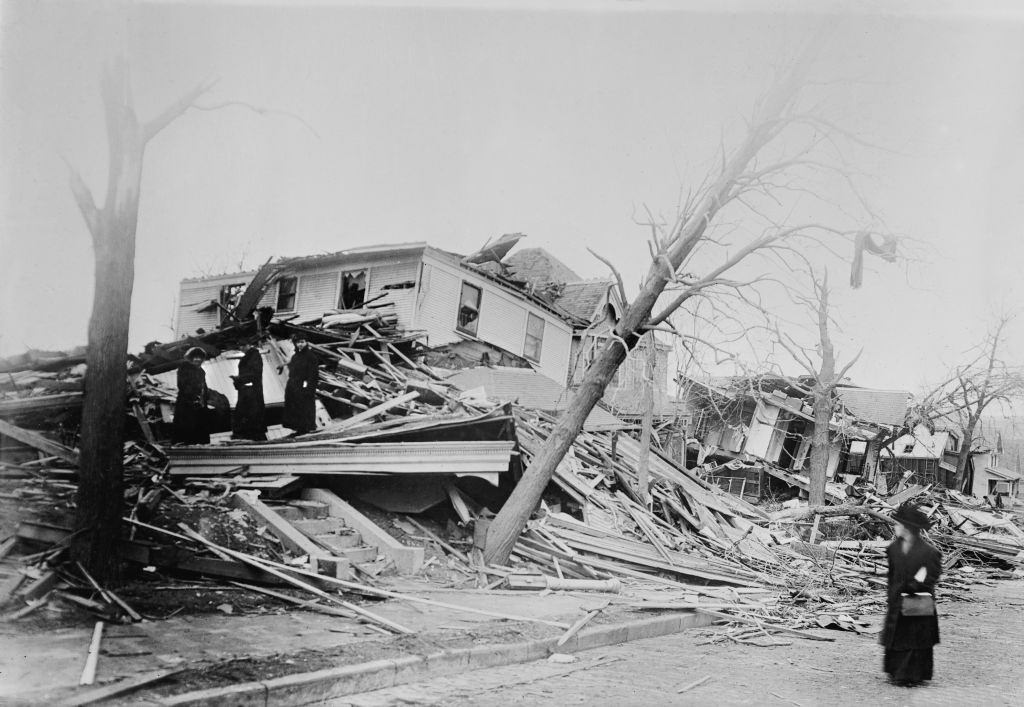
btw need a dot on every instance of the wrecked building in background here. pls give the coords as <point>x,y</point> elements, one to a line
<point>441,298</point>
<point>596,306</point>
<point>751,433</point>
<point>928,453</point>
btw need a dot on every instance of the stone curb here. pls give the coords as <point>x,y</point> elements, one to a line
<point>332,683</point>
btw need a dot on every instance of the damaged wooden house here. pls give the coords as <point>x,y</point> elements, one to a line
<point>752,436</point>
<point>521,311</point>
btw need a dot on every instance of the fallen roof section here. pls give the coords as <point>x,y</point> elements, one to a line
<point>482,459</point>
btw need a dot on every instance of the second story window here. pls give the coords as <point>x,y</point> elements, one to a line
<point>469,309</point>
<point>229,297</point>
<point>353,289</point>
<point>534,343</point>
<point>286,289</point>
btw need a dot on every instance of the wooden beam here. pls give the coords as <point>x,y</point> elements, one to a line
<point>38,441</point>
<point>266,567</point>
<point>370,413</point>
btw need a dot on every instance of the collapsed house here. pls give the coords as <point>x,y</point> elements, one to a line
<point>418,445</point>
<point>749,433</point>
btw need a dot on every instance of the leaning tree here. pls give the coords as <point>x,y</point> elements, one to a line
<point>100,497</point>
<point>681,269</point>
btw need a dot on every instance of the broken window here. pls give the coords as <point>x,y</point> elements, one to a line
<point>469,309</point>
<point>353,289</point>
<point>908,448</point>
<point>534,338</point>
<point>229,297</point>
<point>287,287</point>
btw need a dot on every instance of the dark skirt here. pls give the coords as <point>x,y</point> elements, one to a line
<point>910,666</point>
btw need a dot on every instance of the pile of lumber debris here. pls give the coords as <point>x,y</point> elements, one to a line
<point>269,517</point>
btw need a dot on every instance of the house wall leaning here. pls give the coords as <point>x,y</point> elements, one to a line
<point>502,320</point>
<point>424,288</point>
<point>318,290</point>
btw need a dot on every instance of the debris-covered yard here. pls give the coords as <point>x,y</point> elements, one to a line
<point>388,502</point>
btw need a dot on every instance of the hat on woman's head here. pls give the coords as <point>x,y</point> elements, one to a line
<point>910,516</point>
<point>195,352</point>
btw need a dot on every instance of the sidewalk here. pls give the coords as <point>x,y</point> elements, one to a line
<point>256,654</point>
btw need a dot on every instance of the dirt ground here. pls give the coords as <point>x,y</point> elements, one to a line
<point>977,663</point>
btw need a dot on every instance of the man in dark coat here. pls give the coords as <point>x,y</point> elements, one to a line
<point>248,421</point>
<point>190,416</point>
<point>300,391</point>
<point>914,568</point>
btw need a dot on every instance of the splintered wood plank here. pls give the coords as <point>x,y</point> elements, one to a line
<point>38,441</point>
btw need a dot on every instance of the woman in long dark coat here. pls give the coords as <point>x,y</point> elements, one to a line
<point>300,390</point>
<point>914,567</point>
<point>190,415</point>
<point>248,421</point>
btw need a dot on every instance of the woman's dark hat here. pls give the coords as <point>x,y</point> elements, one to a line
<point>911,517</point>
<point>195,352</point>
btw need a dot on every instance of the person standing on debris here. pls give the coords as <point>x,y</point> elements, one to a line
<point>248,422</point>
<point>911,622</point>
<point>190,416</point>
<point>300,391</point>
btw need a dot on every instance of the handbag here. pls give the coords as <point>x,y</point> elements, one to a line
<point>920,604</point>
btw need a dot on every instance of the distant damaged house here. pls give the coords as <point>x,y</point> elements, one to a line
<point>441,298</point>
<point>595,307</point>
<point>927,453</point>
<point>748,430</point>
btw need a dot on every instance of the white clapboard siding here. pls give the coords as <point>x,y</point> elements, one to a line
<point>197,294</point>
<point>317,293</point>
<point>395,272</point>
<point>503,316</point>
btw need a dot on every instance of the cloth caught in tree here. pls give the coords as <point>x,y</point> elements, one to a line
<point>865,242</point>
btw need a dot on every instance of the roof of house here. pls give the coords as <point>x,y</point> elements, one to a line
<point>581,299</point>
<point>1002,473</point>
<point>350,253</point>
<point>883,407</point>
<point>529,389</point>
<point>537,266</point>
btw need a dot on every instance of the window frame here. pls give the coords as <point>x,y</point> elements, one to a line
<point>229,296</point>
<point>341,285</point>
<point>472,326</point>
<point>294,293</point>
<point>531,317</point>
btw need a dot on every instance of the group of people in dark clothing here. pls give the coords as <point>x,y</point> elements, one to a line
<point>192,407</point>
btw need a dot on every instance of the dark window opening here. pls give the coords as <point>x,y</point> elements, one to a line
<point>469,309</point>
<point>287,287</point>
<point>229,297</point>
<point>791,443</point>
<point>353,289</point>
<point>534,343</point>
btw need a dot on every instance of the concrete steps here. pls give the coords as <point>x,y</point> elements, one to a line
<point>334,534</point>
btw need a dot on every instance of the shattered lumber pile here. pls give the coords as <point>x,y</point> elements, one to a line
<point>695,548</point>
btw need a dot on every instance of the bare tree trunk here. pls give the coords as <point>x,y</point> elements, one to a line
<point>965,451</point>
<point>100,497</point>
<point>643,467</point>
<point>820,446</point>
<point>688,232</point>
<point>824,394</point>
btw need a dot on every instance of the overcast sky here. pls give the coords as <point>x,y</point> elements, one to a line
<point>453,125</point>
